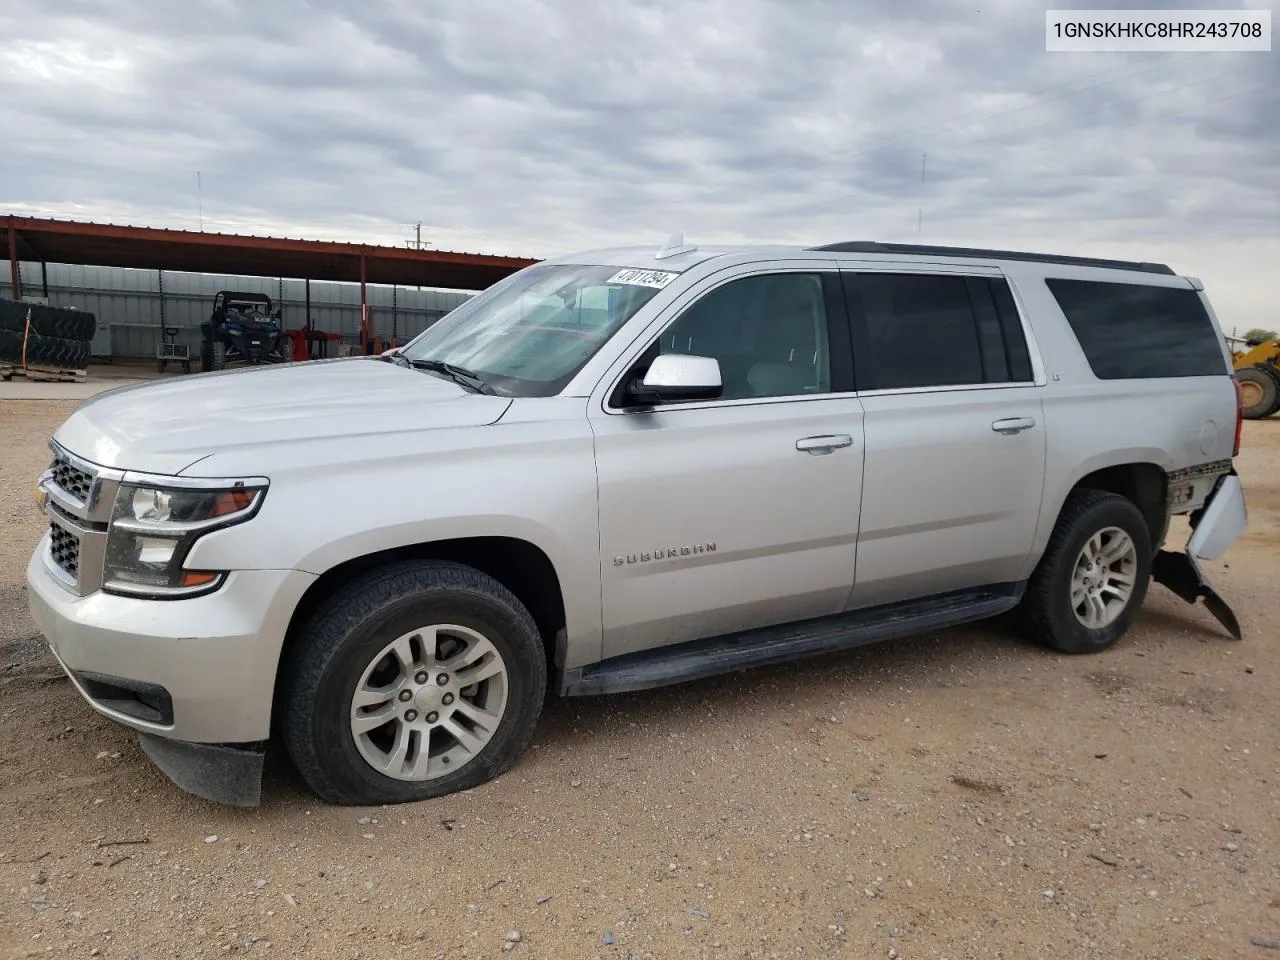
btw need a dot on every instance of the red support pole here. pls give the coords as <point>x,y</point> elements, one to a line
<point>364,310</point>
<point>15,275</point>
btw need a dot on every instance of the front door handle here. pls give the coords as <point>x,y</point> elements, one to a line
<point>1013,425</point>
<point>820,445</point>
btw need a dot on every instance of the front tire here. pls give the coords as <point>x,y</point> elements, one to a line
<point>1093,576</point>
<point>415,681</point>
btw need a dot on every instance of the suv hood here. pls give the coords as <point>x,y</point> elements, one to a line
<point>166,426</point>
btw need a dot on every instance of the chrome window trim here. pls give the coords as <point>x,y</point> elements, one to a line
<point>737,402</point>
<point>949,388</point>
<point>704,285</point>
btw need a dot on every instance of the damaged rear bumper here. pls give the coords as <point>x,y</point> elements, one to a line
<point>1214,528</point>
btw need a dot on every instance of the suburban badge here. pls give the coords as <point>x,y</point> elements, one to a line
<point>665,553</point>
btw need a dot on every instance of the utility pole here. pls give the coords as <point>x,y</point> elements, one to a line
<point>417,241</point>
<point>920,210</point>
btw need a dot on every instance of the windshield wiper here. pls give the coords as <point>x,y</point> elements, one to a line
<point>458,375</point>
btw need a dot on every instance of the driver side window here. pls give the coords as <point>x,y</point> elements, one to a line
<point>768,333</point>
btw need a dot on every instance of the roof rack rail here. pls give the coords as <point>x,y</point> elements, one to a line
<point>872,246</point>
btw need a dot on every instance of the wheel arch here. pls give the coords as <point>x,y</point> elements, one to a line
<point>1141,480</point>
<point>521,566</point>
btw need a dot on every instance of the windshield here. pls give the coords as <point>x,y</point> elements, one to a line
<point>528,335</point>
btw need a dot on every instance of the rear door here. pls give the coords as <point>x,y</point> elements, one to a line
<point>954,427</point>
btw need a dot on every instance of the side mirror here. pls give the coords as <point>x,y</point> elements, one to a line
<point>675,376</point>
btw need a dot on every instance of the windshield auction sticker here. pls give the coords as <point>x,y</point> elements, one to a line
<point>643,278</point>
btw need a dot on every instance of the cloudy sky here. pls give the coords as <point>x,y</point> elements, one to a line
<point>536,127</point>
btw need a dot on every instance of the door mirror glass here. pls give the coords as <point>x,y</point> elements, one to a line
<point>678,376</point>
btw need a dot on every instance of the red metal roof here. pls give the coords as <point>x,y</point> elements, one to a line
<point>111,245</point>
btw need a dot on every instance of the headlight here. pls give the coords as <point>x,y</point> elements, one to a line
<point>154,526</point>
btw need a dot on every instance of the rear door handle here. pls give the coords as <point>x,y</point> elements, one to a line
<point>821,445</point>
<point>1013,425</point>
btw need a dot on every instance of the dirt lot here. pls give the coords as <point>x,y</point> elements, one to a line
<point>958,795</point>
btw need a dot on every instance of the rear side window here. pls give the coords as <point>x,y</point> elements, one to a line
<point>920,330</point>
<point>1134,331</point>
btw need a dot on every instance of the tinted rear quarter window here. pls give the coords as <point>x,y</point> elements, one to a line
<point>1132,331</point>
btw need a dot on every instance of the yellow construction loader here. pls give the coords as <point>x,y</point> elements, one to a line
<point>1259,377</point>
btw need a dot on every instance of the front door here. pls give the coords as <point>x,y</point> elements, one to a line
<point>717,516</point>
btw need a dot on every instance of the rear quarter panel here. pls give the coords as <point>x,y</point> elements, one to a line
<point>1092,423</point>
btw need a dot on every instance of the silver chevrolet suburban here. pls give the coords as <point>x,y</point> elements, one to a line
<point>623,469</point>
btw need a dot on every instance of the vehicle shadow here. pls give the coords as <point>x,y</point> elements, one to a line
<point>805,689</point>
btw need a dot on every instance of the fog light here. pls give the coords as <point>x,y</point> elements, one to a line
<point>155,550</point>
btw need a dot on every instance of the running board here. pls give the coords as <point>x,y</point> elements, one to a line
<point>709,657</point>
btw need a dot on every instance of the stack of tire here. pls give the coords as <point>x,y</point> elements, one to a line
<point>35,335</point>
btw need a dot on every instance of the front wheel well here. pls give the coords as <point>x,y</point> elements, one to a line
<point>518,565</point>
<point>1145,484</point>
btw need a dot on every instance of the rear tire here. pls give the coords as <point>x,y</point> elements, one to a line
<point>218,356</point>
<point>1260,392</point>
<point>1073,608</point>
<point>380,633</point>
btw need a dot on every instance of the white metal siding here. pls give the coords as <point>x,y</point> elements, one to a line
<point>129,303</point>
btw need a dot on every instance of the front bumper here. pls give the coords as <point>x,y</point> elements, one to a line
<point>200,669</point>
<point>254,347</point>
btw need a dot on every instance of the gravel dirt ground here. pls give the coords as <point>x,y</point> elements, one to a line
<point>957,795</point>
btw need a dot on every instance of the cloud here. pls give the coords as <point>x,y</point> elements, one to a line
<point>533,127</point>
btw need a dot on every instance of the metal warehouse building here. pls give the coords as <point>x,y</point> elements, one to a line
<point>132,306</point>
<point>137,281</point>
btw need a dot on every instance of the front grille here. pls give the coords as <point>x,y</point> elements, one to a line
<point>73,480</point>
<point>64,548</point>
